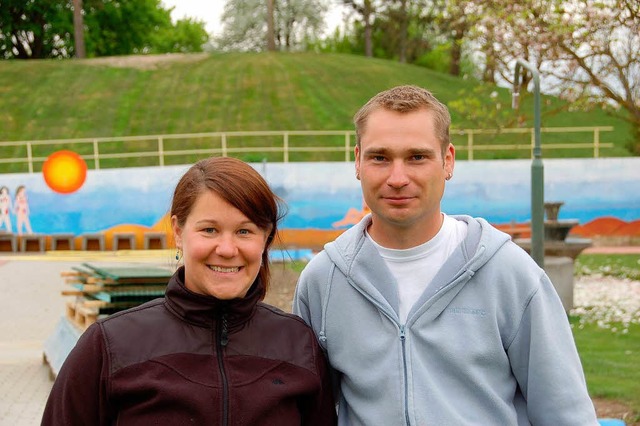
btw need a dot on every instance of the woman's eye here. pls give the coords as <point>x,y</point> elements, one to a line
<point>209,230</point>
<point>244,232</point>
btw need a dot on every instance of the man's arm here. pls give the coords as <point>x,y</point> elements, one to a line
<point>546,364</point>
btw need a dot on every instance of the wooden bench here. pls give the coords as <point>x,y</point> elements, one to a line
<point>91,240</point>
<point>10,240</point>
<point>28,240</point>
<point>155,240</point>
<point>62,242</point>
<point>124,237</point>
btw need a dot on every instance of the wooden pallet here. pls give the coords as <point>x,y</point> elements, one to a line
<point>81,314</point>
<point>101,291</point>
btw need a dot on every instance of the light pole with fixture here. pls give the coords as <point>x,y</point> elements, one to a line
<point>537,168</point>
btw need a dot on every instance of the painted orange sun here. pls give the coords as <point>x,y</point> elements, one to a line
<point>64,171</point>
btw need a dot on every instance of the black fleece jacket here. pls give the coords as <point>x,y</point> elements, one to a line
<point>189,359</point>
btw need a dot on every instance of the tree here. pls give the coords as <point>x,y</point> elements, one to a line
<point>186,36</point>
<point>366,10</point>
<point>455,19</point>
<point>587,51</point>
<point>78,29</point>
<point>271,31</point>
<point>596,56</point>
<point>35,29</point>
<point>245,23</point>
<point>45,28</point>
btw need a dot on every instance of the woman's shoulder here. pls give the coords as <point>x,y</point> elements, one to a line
<point>273,317</point>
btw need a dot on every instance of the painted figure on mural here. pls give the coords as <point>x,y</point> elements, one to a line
<point>21,208</point>
<point>5,208</point>
<point>352,216</point>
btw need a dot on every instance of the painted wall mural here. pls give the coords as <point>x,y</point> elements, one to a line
<point>66,198</point>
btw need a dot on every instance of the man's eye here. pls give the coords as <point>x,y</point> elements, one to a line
<point>378,158</point>
<point>209,230</point>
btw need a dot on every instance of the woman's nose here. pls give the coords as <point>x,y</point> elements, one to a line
<point>226,246</point>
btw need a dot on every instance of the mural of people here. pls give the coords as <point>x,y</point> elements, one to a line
<point>5,208</point>
<point>21,208</point>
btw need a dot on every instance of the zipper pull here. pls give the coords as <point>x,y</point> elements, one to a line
<point>224,337</point>
<point>402,335</point>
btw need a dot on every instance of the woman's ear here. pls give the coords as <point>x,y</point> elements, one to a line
<point>177,231</point>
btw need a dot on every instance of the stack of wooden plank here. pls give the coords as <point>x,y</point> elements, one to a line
<point>104,290</point>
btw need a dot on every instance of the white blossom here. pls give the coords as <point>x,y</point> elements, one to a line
<point>611,303</point>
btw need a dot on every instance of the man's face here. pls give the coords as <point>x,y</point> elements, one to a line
<point>402,173</point>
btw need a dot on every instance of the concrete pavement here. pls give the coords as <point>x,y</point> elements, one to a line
<point>31,305</point>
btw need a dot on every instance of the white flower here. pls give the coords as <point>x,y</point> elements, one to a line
<point>605,300</point>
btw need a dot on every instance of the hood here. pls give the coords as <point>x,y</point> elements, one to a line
<point>358,259</point>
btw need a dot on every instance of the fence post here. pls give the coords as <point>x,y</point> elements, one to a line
<point>347,147</point>
<point>223,144</point>
<point>469,144</point>
<point>596,142</point>
<point>29,157</point>
<point>160,151</point>
<point>96,154</point>
<point>285,147</point>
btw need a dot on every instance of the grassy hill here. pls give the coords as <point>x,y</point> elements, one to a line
<point>126,96</point>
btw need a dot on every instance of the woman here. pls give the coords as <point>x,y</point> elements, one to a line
<point>209,352</point>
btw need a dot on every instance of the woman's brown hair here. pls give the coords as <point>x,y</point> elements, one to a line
<point>240,185</point>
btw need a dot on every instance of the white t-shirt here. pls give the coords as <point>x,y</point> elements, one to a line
<point>414,268</point>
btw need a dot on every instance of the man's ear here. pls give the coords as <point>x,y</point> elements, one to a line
<point>450,158</point>
<point>356,153</point>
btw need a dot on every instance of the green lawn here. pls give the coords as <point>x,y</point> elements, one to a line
<point>611,362</point>
<point>50,99</point>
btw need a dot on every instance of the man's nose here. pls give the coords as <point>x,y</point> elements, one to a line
<point>398,175</point>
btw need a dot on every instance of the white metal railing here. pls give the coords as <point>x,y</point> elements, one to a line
<point>227,147</point>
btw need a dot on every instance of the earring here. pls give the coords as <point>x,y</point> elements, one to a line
<point>178,254</point>
<point>449,176</point>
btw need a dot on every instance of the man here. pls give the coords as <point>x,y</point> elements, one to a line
<point>429,319</point>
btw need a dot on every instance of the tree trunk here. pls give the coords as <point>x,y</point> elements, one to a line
<point>271,37</point>
<point>404,29</point>
<point>78,29</point>
<point>368,43</point>
<point>456,56</point>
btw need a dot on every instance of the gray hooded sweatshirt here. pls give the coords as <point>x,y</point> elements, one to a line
<point>487,343</point>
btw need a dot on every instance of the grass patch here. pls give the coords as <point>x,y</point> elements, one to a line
<point>614,265</point>
<point>610,361</point>
<point>50,99</point>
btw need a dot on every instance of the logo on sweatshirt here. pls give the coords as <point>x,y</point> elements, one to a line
<point>465,310</point>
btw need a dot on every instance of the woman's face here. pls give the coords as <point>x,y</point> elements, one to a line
<point>222,248</point>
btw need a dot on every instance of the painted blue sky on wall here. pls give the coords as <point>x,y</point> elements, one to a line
<point>319,194</point>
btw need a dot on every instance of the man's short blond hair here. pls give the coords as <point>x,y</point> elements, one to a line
<point>405,99</point>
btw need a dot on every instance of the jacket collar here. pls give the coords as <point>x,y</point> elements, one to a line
<point>205,311</point>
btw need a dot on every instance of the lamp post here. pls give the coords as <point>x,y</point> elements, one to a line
<point>537,168</point>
